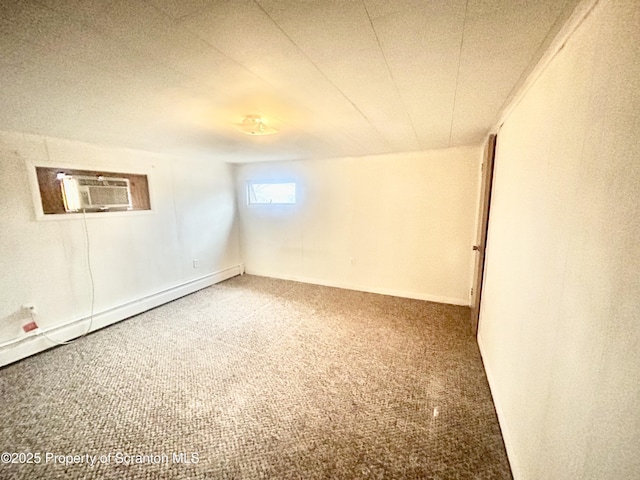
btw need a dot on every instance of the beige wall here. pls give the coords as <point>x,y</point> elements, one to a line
<point>400,224</point>
<point>560,317</point>
<point>138,259</point>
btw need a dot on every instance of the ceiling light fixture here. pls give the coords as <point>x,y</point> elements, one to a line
<point>255,125</point>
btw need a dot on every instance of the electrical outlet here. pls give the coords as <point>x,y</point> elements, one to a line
<point>196,263</point>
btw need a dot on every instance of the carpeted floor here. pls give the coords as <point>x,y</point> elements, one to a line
<point>260,378</point>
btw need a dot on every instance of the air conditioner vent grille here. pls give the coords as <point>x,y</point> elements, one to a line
<point>95,193</point>
<point>109,195</point>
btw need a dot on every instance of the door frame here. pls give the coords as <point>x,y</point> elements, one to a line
<point>479,249</point>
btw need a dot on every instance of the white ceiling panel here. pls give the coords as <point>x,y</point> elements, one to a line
<point>423,48</point>
<point>380,8</point>
<point>339,39</point>
<point>483,84</point>
<point>178,9</point>
<point>244,32</point>
<point>337,78</point>
<point>87,11</point>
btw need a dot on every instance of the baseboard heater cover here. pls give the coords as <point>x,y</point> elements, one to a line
<point>26,346</point>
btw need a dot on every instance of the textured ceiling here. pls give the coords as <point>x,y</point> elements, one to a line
<point>336,77</point>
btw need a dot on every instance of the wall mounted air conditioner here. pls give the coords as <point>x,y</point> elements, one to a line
<point>95,193</point>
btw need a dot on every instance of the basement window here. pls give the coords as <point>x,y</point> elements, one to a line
<point>271,193</point>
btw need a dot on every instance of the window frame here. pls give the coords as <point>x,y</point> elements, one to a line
<point>249,183</point>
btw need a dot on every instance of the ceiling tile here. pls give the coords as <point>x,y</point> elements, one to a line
<point>497,33</point>
<point>422,47</point>
<point>380,8</point>
<point>249,36</point>
<point>339,39</point>
<point>339,78</point>
<point>178,9</point>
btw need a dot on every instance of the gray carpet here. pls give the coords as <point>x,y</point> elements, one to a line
<point>260,378</point>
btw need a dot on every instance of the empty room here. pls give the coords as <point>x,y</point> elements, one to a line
<point>320,239</point>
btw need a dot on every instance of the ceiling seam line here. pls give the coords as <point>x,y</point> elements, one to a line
<point>455,92</point>
<point>178,22</point>
<point>259,77</point>
<point>323,74</point>
<point>395,84</point>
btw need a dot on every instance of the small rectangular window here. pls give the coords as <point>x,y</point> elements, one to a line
<point>271,193</point>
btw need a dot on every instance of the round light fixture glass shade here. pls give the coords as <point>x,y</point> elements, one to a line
<point>256,125</point>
